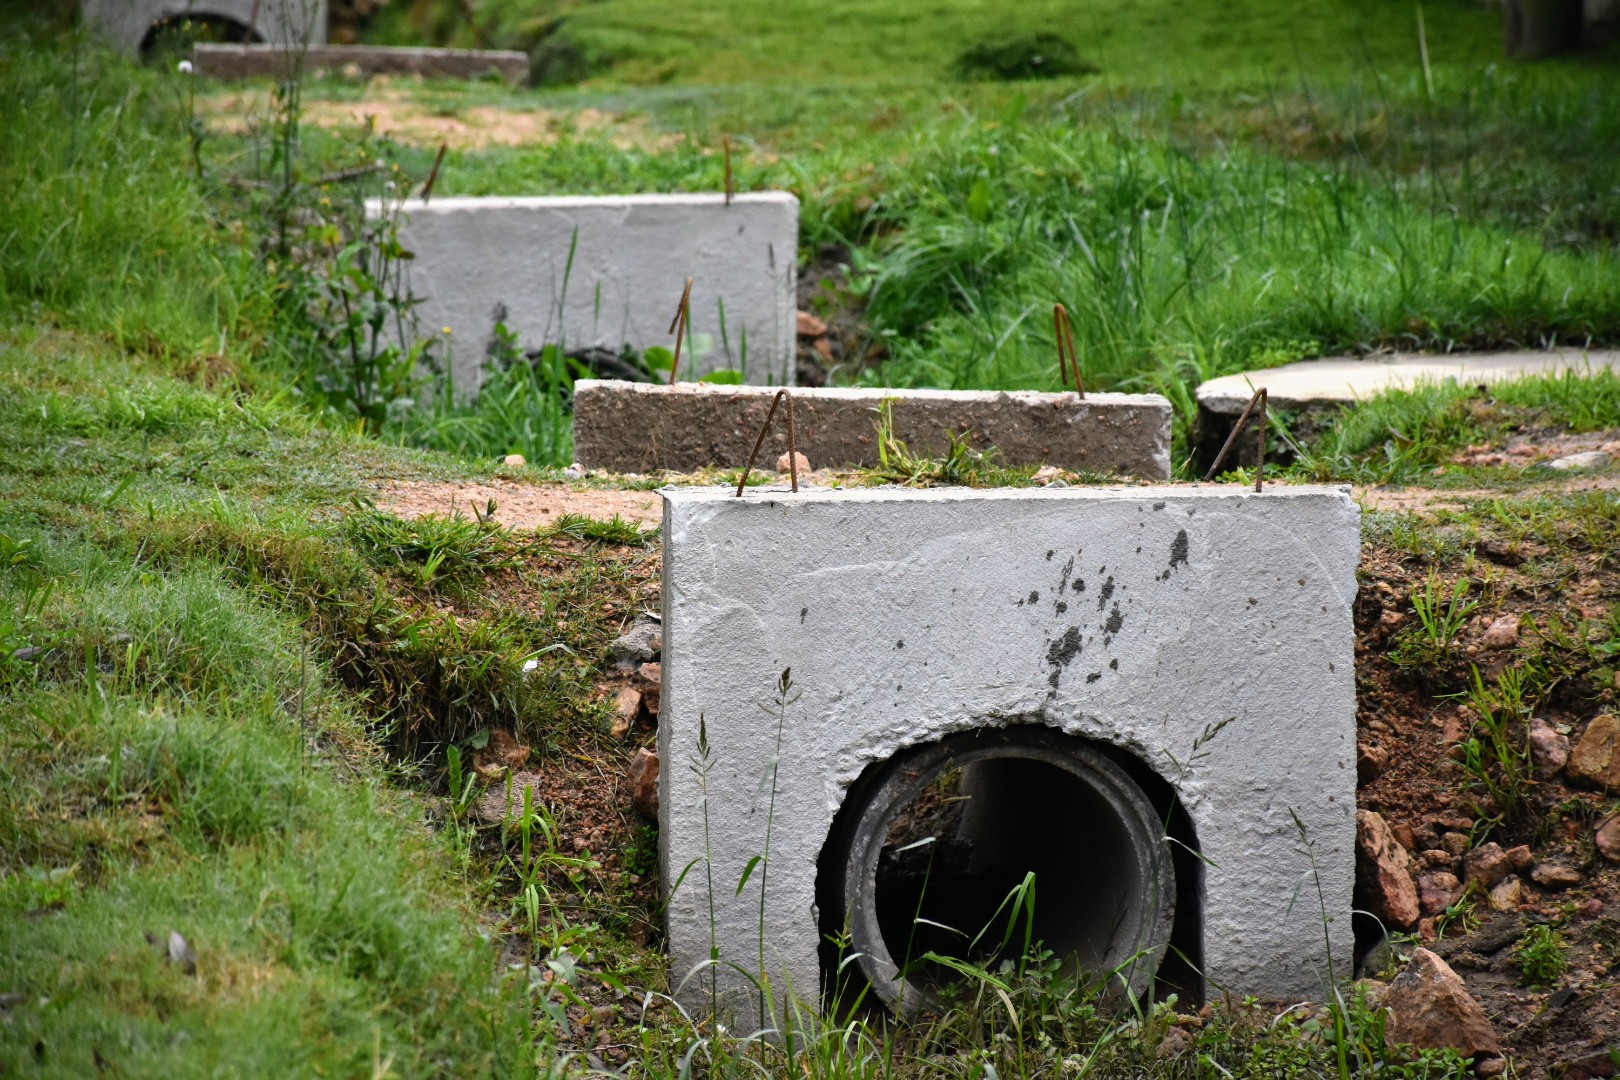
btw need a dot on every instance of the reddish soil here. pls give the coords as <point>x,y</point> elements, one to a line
<point>518,505</point>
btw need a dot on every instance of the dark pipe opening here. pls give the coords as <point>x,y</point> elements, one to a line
<point>929,846</point>
<point>174,35</point>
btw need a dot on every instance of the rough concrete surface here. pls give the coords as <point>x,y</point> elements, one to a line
<point>608,271</point>
<point>641,427</point>
<point>1144,617</point>
<point>268,61</point>
<point>125,23</point>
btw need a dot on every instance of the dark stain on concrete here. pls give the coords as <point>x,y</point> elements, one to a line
<point>1060,607</point>
<point>1034,596</point>
<point>802,613</point>
<point>1106,594</point>
<point>1178,549</point>
<point>1061,653</point>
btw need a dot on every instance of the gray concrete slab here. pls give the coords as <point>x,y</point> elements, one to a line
<point>1343,380</point>
<point>643,427</point>
<point>1143,618</point>
<point>125,23</point>
<point>269,61</point>
<point>607,271</point>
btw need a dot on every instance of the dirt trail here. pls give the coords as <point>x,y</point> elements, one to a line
<point>518,506</point>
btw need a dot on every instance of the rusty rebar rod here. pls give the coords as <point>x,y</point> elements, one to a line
<point>793,443</point>
<point>677,326</point>
<point>1064,331</point>
<point>433,174</point>
<point>1258,400</point>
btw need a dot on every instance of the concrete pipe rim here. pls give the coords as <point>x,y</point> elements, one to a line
<point>1132,956</point>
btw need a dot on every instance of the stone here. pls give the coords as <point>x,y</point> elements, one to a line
<point>1599,1065</point>
<point>1549,748</point>
<point>1590,459</point>
<point>1439,859</point>
<point>1454,842</point>
<point>1555,877</point>
<point>1490,1066</point>
<point>1370,761</point>
<point>641,777</point>
<point>1521,858</point>
<point>607,272</point>
<point>1507,894</point>
<point>811,327</point>
<point>1595,759</point>
<point>499,755</point>
<point>803,464</point>
<point>651,679</point>
<point>126,23</point>
<point>1384,872</point>
<point>514,461</point>
<point>626,707</point>
<point>645,427</point>
<point>356,62</point>
<point>1487,865</point>
<point>502,803</point>
<point>1127,615</point>
<point>1431,1009</point>
<point>1502,633</point>
<point>643,641</point>
<point>1438,890</point>
<point>1403,834</point>
<point>1607,838</point>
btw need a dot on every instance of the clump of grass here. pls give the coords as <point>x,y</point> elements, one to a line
<point>960,465</point>
<point>1541,955</point>
<point>614,530</point>
<point>1441,618</point>
<point>1496,754</point>
<point>430,547</point>
<point>1041,55</point>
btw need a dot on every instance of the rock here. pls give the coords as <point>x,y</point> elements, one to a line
<point>1507,554</point>
<point>643,642</point>
<point>642,779</point>
<point>1491,1066</point>
<point>1438,890</point>
<point>782,463</point>
<point>1385,872</point>
<point>651,679</point>
<point>1503,633</point>
<point>1487,864</point>
<point>1607,838</point>
<point>1404,836</point>
<point>1370,762</point>
<point>1431,1009</point>
<point>180,953</point>
<point>503,803</point>
<point>810,326</point>
<point>1507,895</point>
<point>1390,621</point>
<point>1596,1066</point>
<point>1549,748</point>
<point>499,755</point>
<point>1436,859</point>
<point>1591,459</point>
<point>27,653</point>
<point>1552,876</point>
<point>1454,842</point>
<point>576,471</point>
<point>1521,857</point>
<point>626,707</point>
<point>515,461</point>
<point>1454,734</point>
<point>1596,758</point>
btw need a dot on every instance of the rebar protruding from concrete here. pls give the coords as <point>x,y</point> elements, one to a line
<point>1064,331</point>
<point>433,173</point>
<point>1259,399</point>
<point>677,326</point>
<point>793,447</point>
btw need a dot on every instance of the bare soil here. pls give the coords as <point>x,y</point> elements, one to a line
<point>518,505</point>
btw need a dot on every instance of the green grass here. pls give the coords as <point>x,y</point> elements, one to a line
<point>890,41</point>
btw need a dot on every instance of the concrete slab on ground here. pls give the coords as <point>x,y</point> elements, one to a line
<point>1342,380</point>
<point>607,272</point>
<point>1204,631</point>
<point>270,61</point>
<point>644,427</point>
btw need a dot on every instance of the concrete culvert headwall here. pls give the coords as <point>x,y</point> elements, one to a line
<point>971,847</point>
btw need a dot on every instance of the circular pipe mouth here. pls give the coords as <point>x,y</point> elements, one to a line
<point>971,850</point>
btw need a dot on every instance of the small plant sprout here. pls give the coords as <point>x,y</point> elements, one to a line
<point>1541,955</point>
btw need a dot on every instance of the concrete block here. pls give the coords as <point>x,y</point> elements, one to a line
<point>641,427</point>
<point>268,61</point>
<point>607,271</point>
<point>126,23</point>
<point>1203,631</point>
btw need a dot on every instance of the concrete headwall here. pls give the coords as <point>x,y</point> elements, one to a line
<point>608,271</point>
<point>640,427</point>
<point>125,23</point>
<point>1205,630</point>
<point>267,61</point>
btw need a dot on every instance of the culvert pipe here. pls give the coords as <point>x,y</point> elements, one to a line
<point>930,850</point>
